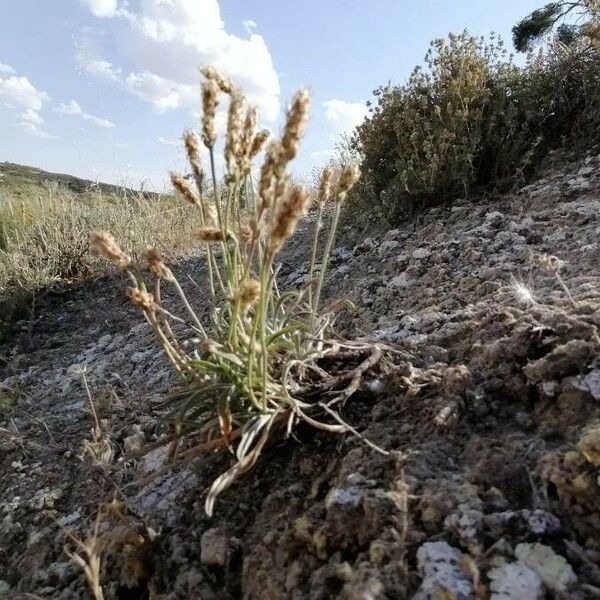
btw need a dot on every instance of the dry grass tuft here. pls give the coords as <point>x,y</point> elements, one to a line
<point>255,372</point>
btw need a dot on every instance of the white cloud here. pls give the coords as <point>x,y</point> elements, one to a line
<point>167,40</point>
<point>88,60</point>
<point>97,121</point>
<point>20,94</point>
<point>249,25</point>
<point>162,93</point>
<point>101,8</point>
<point>73,108</point>
<point>69,108</point>
<point>344,116</point>
<point>102,68</point>
<point>32,117</point>
<point>6,69</point>
<point>167,142</point>
<point>33,129</point>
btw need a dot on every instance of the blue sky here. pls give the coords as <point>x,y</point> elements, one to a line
<point>103,88</point>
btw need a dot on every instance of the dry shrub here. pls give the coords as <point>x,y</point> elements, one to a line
<point>473,120</point>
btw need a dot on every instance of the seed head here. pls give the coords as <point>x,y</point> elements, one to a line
<point>210,234</point>
<point>287,215</point>
<point>209,212</point>
<point>210,100</point>
<point>258,142</point>
<point>297,119</point>
<point>108,247</point>
<point>350,175</point>
<point>325,185</point>
<point>192,146</point>
<point>223,82</point>
<point>267,175</point>
<point>157,265</point>
<point>142,299</point>
<point>247,139</point>
<point>249,127</point>
<point>234,150</point>
<point>551,265</point>
<point>248,292</point>
<point>523,293</point>
<point>184,188</point>
<point>245,233</point>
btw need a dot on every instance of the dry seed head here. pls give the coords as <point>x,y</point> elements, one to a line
<point>287,215</point>
<point>208,346</point>
<point>210,234</point>
<point>234,151</point>
<point>142,299</point>
<point>325,185</point>
<point>258,142</point>
<point>350,175</point>
<point>247,138</point>
<point>157,265</point>
<point>192,146</point>
<point>210,100</point>
<point>297,119</point>
<point>248,292</point>
<point>108,247</point>
<point>249,127</point>
<point>224,83</point>
<point>209,212</point>
<point>245,233</point>
<point>184,188</point>
<point>551,265</point>
<point>267,175</point>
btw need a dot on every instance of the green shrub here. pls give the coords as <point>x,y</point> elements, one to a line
<point>472,120</point>
<point>574,20</point>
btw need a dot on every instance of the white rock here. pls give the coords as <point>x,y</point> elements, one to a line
<point>592,380</point>
<point>400,281</point>
<point>554,571</point>
<point>348,497</point>
<point>388,247</point>
<point>514,580</point>
<point>421,253</point>
<point>438,564</point>
<point>153,460</point>
<point>133,443</point>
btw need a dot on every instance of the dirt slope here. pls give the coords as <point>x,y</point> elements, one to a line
<point>492,408</point>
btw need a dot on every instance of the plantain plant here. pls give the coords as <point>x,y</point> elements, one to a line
<point>257,366</point>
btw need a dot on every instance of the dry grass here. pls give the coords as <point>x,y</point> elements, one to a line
<point>44,239</point>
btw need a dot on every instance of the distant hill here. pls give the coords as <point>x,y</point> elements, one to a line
<point>19,180</point>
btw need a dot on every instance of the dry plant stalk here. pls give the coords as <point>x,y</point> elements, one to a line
<point>89,559</point>
<point>239,377</point>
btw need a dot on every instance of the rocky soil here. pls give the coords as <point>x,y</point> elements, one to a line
<point>493,414</point>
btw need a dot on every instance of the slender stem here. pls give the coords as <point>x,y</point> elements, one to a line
<point>198,177</point>
<point>313,256</point>
<point>325,260</point>
<point>219,213</point>
<point>188,307</point>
